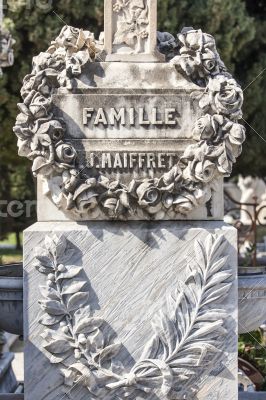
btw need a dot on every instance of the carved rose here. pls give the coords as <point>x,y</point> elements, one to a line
<point>198,54</point>
<point>206,128</point>
<point>112,206</point>
<point>226,97</point>
<point>66,153</point>
<point>68,38</point>
<point>71,179</point>
<point>39,106</point>
<point>237,135</point>
<point>47,60</point>
<point>183,204</point>
<point>35,105</point>
<point>52,128</point>
<point>203,171</point>
<point>148,194</point>
<point>86,198</point>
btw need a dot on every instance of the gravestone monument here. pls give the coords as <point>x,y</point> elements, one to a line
<point>130,272</point>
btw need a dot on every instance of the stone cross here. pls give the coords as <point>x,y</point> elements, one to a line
<point>131,31</point>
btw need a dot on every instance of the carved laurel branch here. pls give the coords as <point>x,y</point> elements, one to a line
<point>188,185</point>
<point>186,335</point>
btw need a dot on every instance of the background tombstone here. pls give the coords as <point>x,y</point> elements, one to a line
<point>6,44</point>
<point>124,302</point>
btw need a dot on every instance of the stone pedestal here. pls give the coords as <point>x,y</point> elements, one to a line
<point>136,310</point>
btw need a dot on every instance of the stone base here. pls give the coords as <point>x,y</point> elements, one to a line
<point>160,320</point>
<point>8,382</point>
<point>156,57</point>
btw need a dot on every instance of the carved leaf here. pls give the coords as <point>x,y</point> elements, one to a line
<point>56,245</point>
<point>77,300</point>
<point>88,325</point>
<point>70,287</point>
<point>95,340</point>
<point>48,320</point>
<point>67,255</point>
<point>44,270</point>
<point>53,307</point>
<point>151,348</point>
<point>49,293</point>
<point>109,352</point>
<point>206,329</point>
<point>45,261</point>
<point>211,315</point>
<point>41,166</point>
<point>57,346</point>
<point>60,358</point>
<point>70,273</point>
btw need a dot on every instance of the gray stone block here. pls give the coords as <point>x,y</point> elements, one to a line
<point>162,295</point>
<point>252,396</point>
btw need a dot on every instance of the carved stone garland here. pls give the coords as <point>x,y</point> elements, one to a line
<point>186,334</point>
<point>186,186</point>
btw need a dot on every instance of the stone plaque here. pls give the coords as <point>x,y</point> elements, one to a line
<point>129,115</point>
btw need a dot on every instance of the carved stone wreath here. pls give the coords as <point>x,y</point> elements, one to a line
<point>186,338</point>
<point>186,186</point>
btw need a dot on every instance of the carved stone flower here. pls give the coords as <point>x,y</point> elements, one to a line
<point>237,135</point>
<point>66,153</point>
<point>71,180</point>
<point>203,171</point>
<point>53,128</point>
<point>183,204</point>
<point>85,198</point>
<point>225,96</point>
<point>204,128</point>
<point>112,206</point>
<point>68,38</point>
<point>148,194</point>
<point>39,106</point>
<point>198,54</point>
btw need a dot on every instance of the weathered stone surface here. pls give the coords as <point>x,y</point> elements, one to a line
<point>252,302</point>
<point>133,273</point>
<point>252,396</point>
<point>8,382</point>
<point>131,31</point>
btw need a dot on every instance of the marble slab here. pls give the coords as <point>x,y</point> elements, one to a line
<point>158,305</point>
